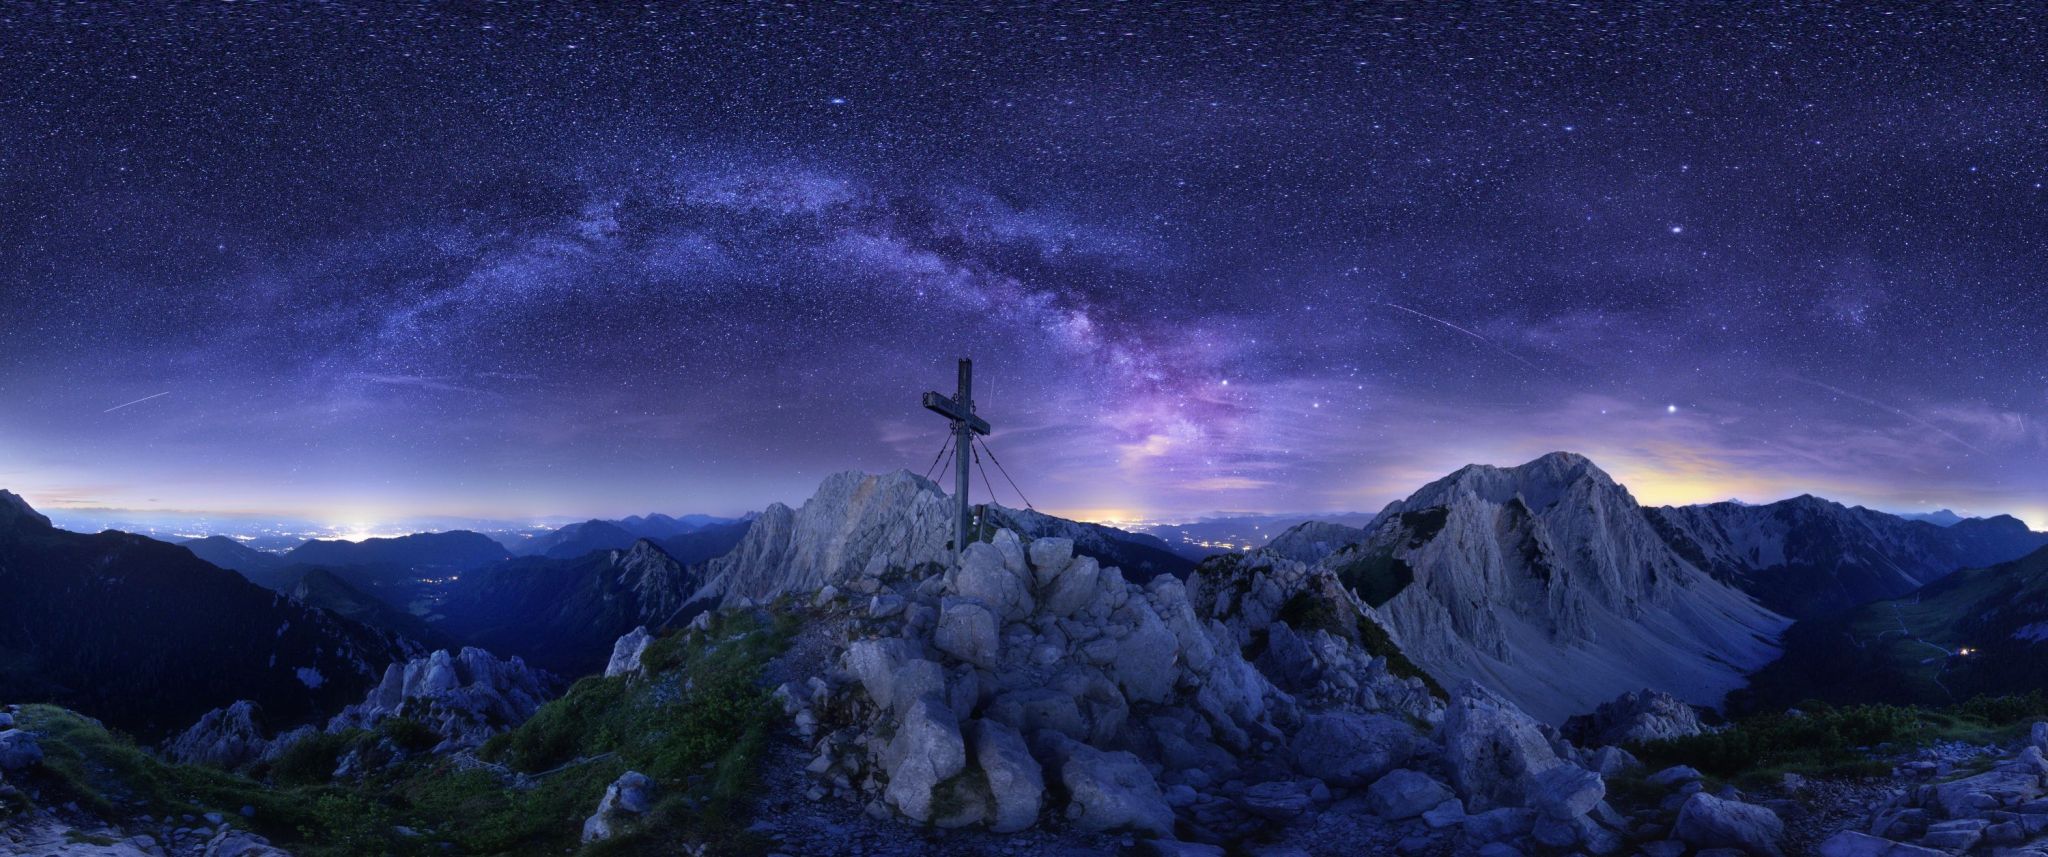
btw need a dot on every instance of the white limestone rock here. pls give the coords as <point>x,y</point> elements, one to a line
<point>969,630</point>
<point>856,520</point>
<point>632,794</point>
<point>1075,588</point>
<point>19,750</point>
<point>1112,791</point>
<point>226,738</point>
<point>1049,557</point>
<point>627,651</point>
<point>1495,752</point>
<point>1352,750</point>
<point>985,575</point>
<point>1706,821</point>
<point>927,750</point>
<point>1636,716</point>
<point>1016,783</point>
<point>465,697</point>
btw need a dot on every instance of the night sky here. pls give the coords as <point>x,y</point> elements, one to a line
<point>508,259</point>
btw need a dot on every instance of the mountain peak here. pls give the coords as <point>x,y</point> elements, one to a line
<point>14,510</point>
<point>1538,482</point>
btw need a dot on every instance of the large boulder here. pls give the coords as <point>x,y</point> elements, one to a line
<point>627,651</point>
<point>875,662</point>
<point>927,750</point>
<point>632,794</point>
<point>1566,792</point>
<point>1016,784</point>
<point>1352,750</point>
<point>1403,794</point>
<point>226,738</point>
<point>969,630</point>
<point>1988,790</point>
<point>18,750</point>
<point>1147,662</point>
<point>1640,715</point>
<point>1112,791</point>
<point>1075,588</point>
<point>1049,557</point>
<point>985,574</point>
<point>1706,821</point>
<point>1495,752</point>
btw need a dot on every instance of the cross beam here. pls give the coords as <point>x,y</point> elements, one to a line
<point>960,409</point>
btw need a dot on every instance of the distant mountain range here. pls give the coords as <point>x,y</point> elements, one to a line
<point>1807,557</point>
<point>564,614</point>
<point>1545,582</point>
<point>147,636</point>
<point>1228,533</point>
<point>1938,517</point>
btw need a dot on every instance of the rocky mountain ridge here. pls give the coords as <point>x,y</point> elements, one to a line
<point>147,636</point>
<point>1810,557</point>
<point>1547,583</point>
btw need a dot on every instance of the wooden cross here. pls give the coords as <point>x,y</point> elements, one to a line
<point>960,409</point>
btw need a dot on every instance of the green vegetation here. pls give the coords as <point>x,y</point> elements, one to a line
<point>1966,635</point>
<point>1376,577</point>
<point>1376,641</point>
<point>697,725</point>
<point>1825,741</point>
<point>1308,613</point>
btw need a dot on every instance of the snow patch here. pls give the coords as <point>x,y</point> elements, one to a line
<point>311,677</point>
<point>2035,633</point>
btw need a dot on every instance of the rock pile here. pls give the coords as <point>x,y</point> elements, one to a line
<point>226,738</point>
<point>1636,716</point>
<point>464,698</point>
<point>1027,687</point>
<point>2001,808</point>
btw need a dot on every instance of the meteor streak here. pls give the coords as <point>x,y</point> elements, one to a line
<point>136,402</point>
<point>1490,343</point>
<point>1901,412</point>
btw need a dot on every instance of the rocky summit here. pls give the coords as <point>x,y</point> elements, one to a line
<point>1547,583</point>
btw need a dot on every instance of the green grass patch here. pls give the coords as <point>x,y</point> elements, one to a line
<point>1845,742</point>
<point>698,725</point>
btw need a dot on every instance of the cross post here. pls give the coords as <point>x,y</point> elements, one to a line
<point>960,409</point>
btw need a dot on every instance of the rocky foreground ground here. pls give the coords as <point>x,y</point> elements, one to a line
<point>1024,701</point>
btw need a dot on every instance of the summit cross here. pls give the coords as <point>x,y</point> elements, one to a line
<point>960,409</point>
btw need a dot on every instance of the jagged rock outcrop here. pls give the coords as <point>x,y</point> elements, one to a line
<point>863,524</point>
<point>465,697</point>
<point>1547,583</point>
<point>627,651</point>
<point>1639,715</point>
<point>1311,541</point>
<point>1808,557</point>
<point>229,738</point>
<point>855,521</point>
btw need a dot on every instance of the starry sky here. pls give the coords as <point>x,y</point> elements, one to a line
<point>364,261</point>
